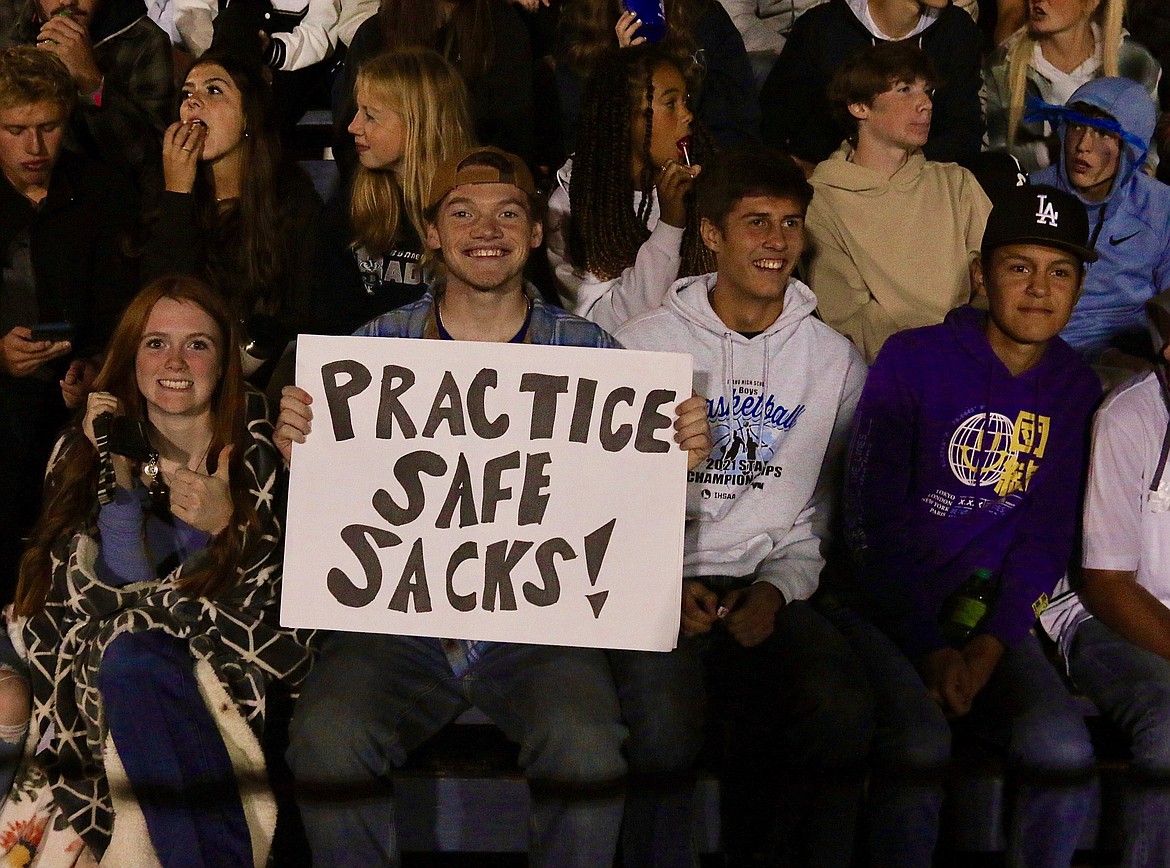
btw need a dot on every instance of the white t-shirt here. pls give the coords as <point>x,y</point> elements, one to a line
<point>860,8</point>
<point>1056,86</point>
<point>1126,526</point>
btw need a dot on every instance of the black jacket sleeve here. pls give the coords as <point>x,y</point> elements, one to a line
<point>501,98</point>
<point>302,222</point>
<point>173,244</point>
<point>795,114</point>
<point>956,128</point>
<point>727,103</point>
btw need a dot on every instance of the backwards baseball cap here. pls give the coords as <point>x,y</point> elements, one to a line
<point>1039,214</point>
<point>485,165</point>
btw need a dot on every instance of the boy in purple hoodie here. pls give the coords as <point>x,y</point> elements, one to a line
<point>967,454</point>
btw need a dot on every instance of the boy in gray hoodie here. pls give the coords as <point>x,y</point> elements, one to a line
<point>787,693</point>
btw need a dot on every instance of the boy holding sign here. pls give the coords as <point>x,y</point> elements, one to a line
<point>788,691</point>
<point>372,698</point>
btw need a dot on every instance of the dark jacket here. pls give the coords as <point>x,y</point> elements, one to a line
<point>351,290</point>
<point>501,98</point>
<point>724,99</point>
<point>76,240</point>
<point>176,245</point>
<point>1149,24</point>
<point>138,93</point>
<point>797,116</point>
<point>81,277</point>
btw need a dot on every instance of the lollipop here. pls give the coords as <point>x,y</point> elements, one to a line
<point>684,149</point>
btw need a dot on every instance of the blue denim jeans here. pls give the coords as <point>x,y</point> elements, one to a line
<point>793,717</point>
<point>1132,687</point>
<point>172,751</point>
<point>1024,708</point>
<point>662,704</point>
<point>371,699</point>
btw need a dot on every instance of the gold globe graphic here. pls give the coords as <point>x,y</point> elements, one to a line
<point>979,448</point>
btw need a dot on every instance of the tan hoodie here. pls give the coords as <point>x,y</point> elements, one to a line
<point>887,255</point>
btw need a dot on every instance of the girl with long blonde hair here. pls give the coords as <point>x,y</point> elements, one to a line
<point>1062,45</point>
<point>412,114</point>
<point>486,40</point>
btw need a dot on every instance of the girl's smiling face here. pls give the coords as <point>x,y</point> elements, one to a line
<point>179,360</point>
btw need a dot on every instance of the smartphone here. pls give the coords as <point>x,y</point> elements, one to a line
<point>652,14</point>
<point>53,331</point>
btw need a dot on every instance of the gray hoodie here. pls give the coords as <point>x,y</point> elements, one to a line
<point>779,405</point>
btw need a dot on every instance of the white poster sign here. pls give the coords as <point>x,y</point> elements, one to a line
<point>504,492</point>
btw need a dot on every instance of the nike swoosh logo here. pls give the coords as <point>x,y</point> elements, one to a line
<point>1116,241</point>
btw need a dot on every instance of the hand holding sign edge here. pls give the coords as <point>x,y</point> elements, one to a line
<point>692,432</point>
<point>294,422</point>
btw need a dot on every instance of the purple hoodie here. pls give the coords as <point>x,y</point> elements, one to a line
<point>955,465</point>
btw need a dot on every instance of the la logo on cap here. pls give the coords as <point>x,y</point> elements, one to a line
<point>1046,213</point>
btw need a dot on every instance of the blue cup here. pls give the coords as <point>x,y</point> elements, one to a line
<point>652,14</point>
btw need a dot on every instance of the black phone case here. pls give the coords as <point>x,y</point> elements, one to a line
<point>125,437</point>
<point>53,331</point>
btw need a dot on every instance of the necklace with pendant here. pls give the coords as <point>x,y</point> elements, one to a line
<point>158,490</point>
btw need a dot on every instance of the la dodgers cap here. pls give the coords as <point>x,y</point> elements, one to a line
<point>471,167</point>
<point>1039,214</point>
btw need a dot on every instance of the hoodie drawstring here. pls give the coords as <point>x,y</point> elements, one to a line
<point>751,427</point>
<point>728,379</point>
<point>764,395</point>
<point>1100,223</point>
<point>984,432</point>
<point>1002,448</point>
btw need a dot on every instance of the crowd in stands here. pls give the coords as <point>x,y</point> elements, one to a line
<point>918,252</point>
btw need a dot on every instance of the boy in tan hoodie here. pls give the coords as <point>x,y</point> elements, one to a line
<point>891,233</point>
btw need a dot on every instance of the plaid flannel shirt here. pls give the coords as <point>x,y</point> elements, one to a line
<point>137,94</point>
<point>547,325</point>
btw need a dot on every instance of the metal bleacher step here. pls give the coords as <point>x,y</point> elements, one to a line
<point>463,792</point>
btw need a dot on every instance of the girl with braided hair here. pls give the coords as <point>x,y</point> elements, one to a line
<point>625,227</point>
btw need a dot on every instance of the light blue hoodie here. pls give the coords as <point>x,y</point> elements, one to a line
<point>1129,227</point>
